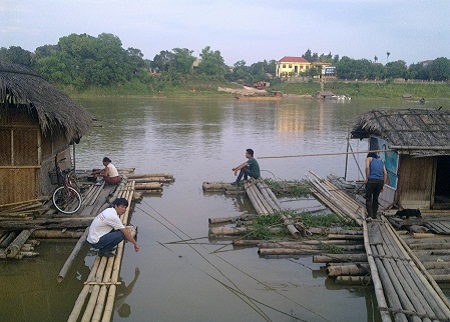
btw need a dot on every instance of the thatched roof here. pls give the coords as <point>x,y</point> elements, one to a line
<point>419,131</point>
<point>22,86</point>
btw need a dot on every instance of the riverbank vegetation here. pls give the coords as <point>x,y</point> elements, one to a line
<point>83,65</point>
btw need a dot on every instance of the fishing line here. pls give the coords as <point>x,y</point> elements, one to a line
<point>238,269</point>
<point>252,305</point>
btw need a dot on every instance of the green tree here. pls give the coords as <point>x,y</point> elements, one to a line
<point>396,69</point>
<point>308,55</point>
<point>16,55</point>
<point>439,69</point>
<point>83,61</point>
<point>240,73</point>
<point>212,64</point>
<point>162,61</point>
<point>183,60</point>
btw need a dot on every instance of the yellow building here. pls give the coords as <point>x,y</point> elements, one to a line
<point>292,66</point>
<point>289,66</point>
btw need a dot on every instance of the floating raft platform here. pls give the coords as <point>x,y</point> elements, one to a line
<point>39,219</point>
<point>405,290</point>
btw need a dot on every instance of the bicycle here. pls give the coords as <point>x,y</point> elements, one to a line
<point>66,198</point>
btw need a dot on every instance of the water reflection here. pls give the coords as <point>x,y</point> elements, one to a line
<point>122,292</point>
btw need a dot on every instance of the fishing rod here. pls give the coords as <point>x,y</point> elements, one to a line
<point>321,154</point>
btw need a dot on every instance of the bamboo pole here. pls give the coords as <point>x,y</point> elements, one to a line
<point>423,293</point>
<point>287,251</point>
<point>378,286</point>
<point>15,246</point>
<point>264,191</point>
<point>100,303</point>
<point>227,230</point>
<point>8,239</point>
<point>333,258</point>
<point>221,220</point>
<point>352,269</point>
<point>73,317</point>
<point>149,175</point>
<point>127,193</point>
<point>445,304</point>
<point>95,289</point>
<point>354,280</point>
<point>324,196</point>
<point>260,209</point>
<point>116,268</point>
<point>47,233</point>
<point>396,270</point>
<point>350,208</point>
<point>73,254</point>
<point>148,186</point>
<point>349,237</point>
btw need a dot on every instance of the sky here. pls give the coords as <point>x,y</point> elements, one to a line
<point>253,31</point>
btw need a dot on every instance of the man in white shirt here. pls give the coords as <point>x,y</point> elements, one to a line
<point>107,230</point>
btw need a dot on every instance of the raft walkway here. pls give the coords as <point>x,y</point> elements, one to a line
<point>100,287</point>
<point>404,289</point>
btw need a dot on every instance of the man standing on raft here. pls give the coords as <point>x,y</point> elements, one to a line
<point>250,168</point>
<point>376,178</point>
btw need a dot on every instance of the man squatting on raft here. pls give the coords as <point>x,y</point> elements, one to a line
<point>376,177</point>
<point>107,231</point>
<point>248,168</point>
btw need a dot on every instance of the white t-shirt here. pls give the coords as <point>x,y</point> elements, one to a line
<point>112,170</point>
<point>106,221</point>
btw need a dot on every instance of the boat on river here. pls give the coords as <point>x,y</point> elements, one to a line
<point>274,95</point>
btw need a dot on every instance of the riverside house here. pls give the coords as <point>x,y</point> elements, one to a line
<point>417,157</point>
<point>289,66</point>
<point>38,126</point>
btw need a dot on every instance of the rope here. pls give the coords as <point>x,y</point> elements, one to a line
<point>235,290</point>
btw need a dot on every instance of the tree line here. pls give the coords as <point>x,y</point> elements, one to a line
<point>82,61</point>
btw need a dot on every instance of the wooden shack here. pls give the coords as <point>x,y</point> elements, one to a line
<point>417,157</point>
<point>38,124</point>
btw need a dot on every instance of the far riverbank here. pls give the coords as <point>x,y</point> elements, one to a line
<point>209,89</point>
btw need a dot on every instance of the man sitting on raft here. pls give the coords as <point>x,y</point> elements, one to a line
<point>109,173</point>
<point>248,168</point>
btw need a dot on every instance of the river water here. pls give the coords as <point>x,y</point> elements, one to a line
<point>179,274</point>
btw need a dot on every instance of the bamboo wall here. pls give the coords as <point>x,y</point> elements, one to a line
<point>18,184</point>
<point>26,157</point>
<point>416,182</point>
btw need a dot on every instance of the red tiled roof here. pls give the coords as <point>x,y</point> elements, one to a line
<point>290,59</point>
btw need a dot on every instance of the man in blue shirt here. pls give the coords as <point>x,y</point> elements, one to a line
<point>376,177</point>
<point>249,168</point>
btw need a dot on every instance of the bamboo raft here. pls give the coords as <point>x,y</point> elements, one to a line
<point>264,202</point>
<point>100,287</point>
<point>405,290</point>
<point>38,219</point>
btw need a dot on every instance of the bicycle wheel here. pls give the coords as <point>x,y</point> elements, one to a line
<point>67,200</point>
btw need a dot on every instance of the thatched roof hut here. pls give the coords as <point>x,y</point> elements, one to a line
<point>37,124</point>
<point>418,132</point>
<point>21,86</point>
<point>417,157</point>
